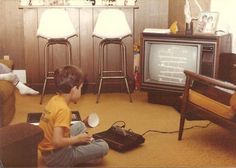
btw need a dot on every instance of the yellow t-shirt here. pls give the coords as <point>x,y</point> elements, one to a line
<point>56,114</point>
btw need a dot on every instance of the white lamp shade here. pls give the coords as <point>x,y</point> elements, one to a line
<point>111,23</point>
<point>55,24</point>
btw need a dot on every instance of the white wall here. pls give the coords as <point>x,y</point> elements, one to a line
<point>227,17</point>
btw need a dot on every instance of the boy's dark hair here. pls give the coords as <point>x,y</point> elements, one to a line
<point>67,77</point>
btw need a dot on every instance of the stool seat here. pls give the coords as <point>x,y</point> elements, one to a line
<point>56,27</point>
<point>56,24</point>
<point>112,24</point>
<point>112,27</point>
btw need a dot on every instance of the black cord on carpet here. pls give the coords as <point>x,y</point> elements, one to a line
<point>117,123</point>
<point>172,132</point>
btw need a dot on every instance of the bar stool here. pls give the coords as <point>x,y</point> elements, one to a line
<point>112,27</point>
<point>56,27</point>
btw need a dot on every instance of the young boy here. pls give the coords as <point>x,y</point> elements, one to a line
<point>65,146</point>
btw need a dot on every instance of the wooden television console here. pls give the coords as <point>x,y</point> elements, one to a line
<point>208,48</point>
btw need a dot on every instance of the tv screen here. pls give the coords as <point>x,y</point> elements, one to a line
<point>165,62</point>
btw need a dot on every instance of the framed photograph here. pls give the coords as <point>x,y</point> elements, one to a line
<point>207,23</point>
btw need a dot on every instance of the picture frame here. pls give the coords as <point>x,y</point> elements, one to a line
<point>206,23</point>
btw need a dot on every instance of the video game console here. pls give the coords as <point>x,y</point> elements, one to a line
<point>120,139</point>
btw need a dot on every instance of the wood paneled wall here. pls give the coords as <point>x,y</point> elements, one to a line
<point>151,14</point>
<point>84,47</point>
<point>11,32</point>
<point>18,27</point>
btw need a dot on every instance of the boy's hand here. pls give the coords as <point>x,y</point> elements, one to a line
<point>84,138</point>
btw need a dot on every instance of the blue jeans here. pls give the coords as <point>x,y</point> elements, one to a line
<point>74,155</point>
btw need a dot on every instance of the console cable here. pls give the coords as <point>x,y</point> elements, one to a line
<point>172,132</point>
<point>158,131</point>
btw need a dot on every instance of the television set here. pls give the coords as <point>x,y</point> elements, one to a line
<point>164,57</point>
<point>166,61</point>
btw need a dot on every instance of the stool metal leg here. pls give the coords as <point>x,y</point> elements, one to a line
<point>101,68</point>
<point>99,89</point>
<point>102,71</point>
<point>44,86</point>
<point>125,70</point>
<point>127,87</point>
<point>69,49</point>
<point>46,54</point>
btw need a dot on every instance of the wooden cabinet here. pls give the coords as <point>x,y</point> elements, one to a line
<point>232,70</point>
<point>227,68</point>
